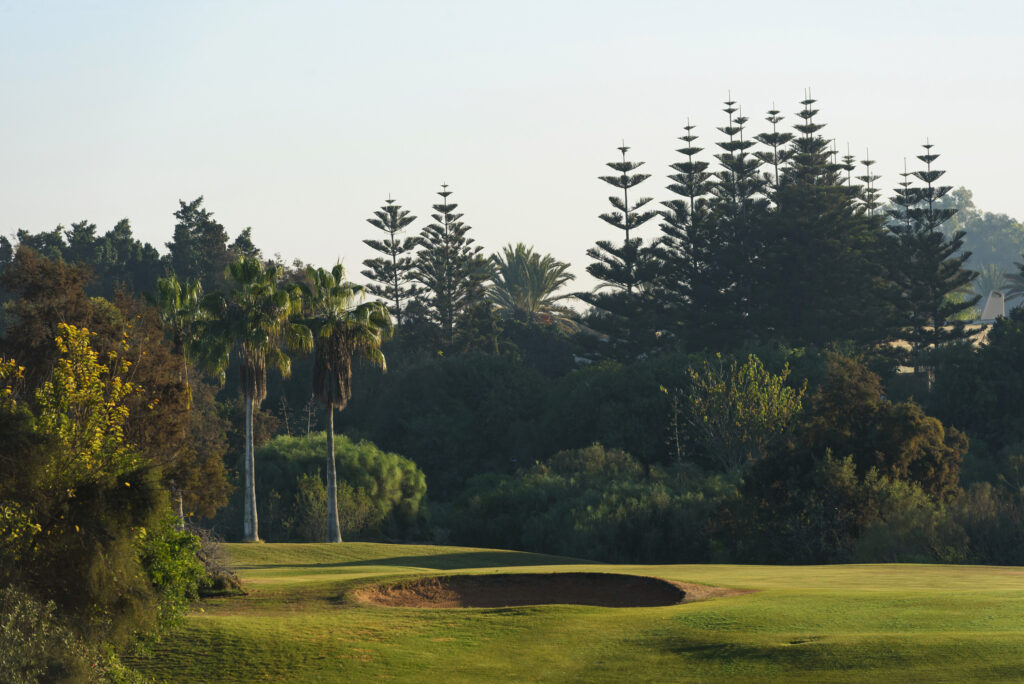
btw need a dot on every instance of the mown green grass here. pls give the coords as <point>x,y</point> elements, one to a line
<point>821,623</point>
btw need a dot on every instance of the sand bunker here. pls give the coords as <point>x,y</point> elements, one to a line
<point>531,589</point>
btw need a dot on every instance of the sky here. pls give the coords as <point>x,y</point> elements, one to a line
<point>300,118</point>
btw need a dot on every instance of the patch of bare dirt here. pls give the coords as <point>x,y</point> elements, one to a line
<point>531,589</point>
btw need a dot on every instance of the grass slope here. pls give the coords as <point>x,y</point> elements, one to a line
<point>812,623</point>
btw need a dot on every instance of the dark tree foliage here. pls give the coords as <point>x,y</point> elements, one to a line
<point>850,416</point>
<point>978,389</point>
<point>689,286</point>
<point>854,454</point>
<point>115,260</point>
<point>780,152</point>
<point>820,275</point>
<point>777,244</point>
<point>199,249</point>
<point>450,268</point>
<point>624,307</point>
<point>711,239</point>
<point>53,292</point>
<point>621,267</point>
<point>391,275</point>
<point>930,265</point>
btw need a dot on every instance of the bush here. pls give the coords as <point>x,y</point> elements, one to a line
<point>170,559</point>
<point>311,507</point>
<point>594,503</point>
<point>37,646</point>
<point>380,494</point>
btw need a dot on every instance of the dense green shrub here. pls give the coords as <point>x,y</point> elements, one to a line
<point>34,644</point>
<point>592,503</point>
<point>170,560</point>
<point>380,494</point>
<point>310,507</point>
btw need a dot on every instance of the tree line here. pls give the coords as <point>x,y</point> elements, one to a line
<point>776,367</point>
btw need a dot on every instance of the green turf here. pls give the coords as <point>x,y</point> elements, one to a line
<point>813,623</point>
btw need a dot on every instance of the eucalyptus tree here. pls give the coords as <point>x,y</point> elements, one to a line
<point>252,322</point>
<point>526,283</point>
<point>392,273</point>
<point>342,326</point>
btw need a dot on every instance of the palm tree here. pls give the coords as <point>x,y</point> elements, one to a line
<point>1015,283</point>
<point>525,283</point>
<point>179,307</point>
<point>342,328</point>
<point>254,321</point>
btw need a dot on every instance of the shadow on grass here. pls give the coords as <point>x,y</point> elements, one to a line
<point>444,561</point>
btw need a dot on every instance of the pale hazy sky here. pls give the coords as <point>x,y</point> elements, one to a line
<point>299,118</point>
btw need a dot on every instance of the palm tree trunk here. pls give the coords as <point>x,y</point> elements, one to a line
<point>333,529</point>
<point>250,527</point>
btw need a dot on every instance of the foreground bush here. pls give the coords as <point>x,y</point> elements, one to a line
<point>34,644</point>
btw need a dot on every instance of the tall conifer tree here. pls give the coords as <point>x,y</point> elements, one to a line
<point>688,282</point>
<point>621,266</point>
<point>738,206</point>
<point>391,273</point>
<point>820,275</point>
<point>930,266</point>
<point>779,153</point>
<point>450,268</point>
<point>869,194</point>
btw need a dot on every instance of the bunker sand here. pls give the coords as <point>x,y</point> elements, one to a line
<point>532,589</point>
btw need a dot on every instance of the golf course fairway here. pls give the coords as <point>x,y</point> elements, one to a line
<point>303,620</point>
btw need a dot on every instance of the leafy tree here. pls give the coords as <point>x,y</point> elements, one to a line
<point>115,260</point>
<point>525,285</point>
<point>977,389</point>
<point>46,293</point>
<point>450,268</point>
<point>253,322</point>
<point>51,292</point>
<point>850,416</point>
<point>85,493</point>
<point>930,266</point>
<point>740,412</point>
<point>992,239</point>
<point>392,274</point>
<point>199,248</point>
<point>342,327</point>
